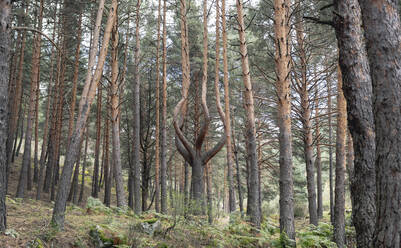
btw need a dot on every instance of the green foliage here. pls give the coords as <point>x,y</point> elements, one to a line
<point>317,236</point>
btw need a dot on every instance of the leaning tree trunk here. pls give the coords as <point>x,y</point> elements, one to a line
<point>282,41</point>
<point>382,28</point>
<point>4,79</point>
<point>357,86</point>
<point>339,201</point>
<point>88,95</point>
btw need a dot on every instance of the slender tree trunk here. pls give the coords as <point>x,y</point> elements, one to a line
<point>4,79</point>
<point>108,175</point>
<point>95,177</point>
<point>339,208</point>
<point>163,171</point>
<point>329,109</point>
<point>81,192</point>
<point>136,143</point>
<point>45,147</point>
<point>36,166</point>
<point>88,95</point>
<point>302,86</point>
<point>381,21</point>
<point>240,197</point>
<point>231,191</point>
<point>250,122</point>
<point>318,160</point>
<point>115,121</point>
<point>357,86</point>
<point>282,32</point>
<point>157,154</point>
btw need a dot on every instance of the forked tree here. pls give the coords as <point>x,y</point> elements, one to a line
<point>194,155</point>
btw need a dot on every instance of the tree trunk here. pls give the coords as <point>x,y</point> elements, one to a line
<point>302,87</point>
<point>95,176</point>
<point>329,109</point>
<point>115,121</point>
<point>136,143</point>
<point>318,160</point>
<point>240,197</point>
<point>88,95</point>
<point>250,122</point>
<point>357,86</point>
<point>281,28</point>
<point>108,178</point>
<point>157,154</point>
<point>81,192</point>
<point>339,207</point>
<point>382,28</point>
<point>4,79</point>
<point>163,171</point>
<point>231,191</point>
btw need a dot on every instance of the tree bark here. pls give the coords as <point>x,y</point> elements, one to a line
<point>357,86</point>
<point>282,30</point>
<point>253,195</point>
<point>381,22</point>
<point>339,207</point>
<point>4,79</point>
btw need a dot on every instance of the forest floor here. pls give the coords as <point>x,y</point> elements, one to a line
<point>94,225</point>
